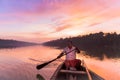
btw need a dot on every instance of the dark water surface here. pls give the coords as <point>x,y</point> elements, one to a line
<point>20,63</point>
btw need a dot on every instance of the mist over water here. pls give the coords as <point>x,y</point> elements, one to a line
<point>20,63</point>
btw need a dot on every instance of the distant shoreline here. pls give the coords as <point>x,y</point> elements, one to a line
<point>14,43</point>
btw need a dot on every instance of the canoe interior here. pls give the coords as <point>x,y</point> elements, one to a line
<point>81,74</point>
<point>62,75</point>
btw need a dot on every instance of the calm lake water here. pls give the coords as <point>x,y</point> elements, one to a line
<point>20,63</point>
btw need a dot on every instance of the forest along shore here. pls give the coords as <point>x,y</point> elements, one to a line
<point>95,45</point>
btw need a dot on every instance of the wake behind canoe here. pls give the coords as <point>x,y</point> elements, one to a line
<point>82,74</point>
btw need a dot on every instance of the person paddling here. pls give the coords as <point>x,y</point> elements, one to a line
<point>71,62</point>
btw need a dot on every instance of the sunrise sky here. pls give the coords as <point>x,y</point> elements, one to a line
<point>43,20</point>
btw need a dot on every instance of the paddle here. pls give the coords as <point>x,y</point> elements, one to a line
<point>44,64</point>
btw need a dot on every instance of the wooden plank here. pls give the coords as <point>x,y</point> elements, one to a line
<point>73,72</point>
<point>88,73</point>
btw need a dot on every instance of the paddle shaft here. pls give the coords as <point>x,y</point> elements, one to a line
<point>44,64</point>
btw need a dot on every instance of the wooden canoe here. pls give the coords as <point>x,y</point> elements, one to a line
<point>82,74</point>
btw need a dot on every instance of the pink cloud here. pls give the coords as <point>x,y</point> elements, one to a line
<point>56,8</point>
<point>59,7</point>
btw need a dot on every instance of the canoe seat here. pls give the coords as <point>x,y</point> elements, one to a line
<point>73,72</point>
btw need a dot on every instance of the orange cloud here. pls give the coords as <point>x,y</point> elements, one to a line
<point>60,28</point>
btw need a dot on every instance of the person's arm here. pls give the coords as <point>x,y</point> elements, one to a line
<point>77,50</point>
<point>62,53</point>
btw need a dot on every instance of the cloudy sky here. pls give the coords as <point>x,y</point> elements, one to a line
<point>43,20</point>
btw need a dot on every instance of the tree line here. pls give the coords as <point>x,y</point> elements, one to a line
<point>96,45</point>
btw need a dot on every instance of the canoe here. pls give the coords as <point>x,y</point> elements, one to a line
<point>39,77</point>
<point>83,73</point>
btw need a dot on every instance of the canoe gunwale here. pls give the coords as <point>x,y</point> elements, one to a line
<point>98,77</point>
<point>87,71</point>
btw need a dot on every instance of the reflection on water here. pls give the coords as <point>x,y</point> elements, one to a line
<point>20,64</point>
<point>110,52</point>
<point>109,69</point>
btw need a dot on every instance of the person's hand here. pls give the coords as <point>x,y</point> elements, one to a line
<point>77,50</point>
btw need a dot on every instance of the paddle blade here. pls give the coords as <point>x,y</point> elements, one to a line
<point>41,66</point>
<point>44,64</point>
